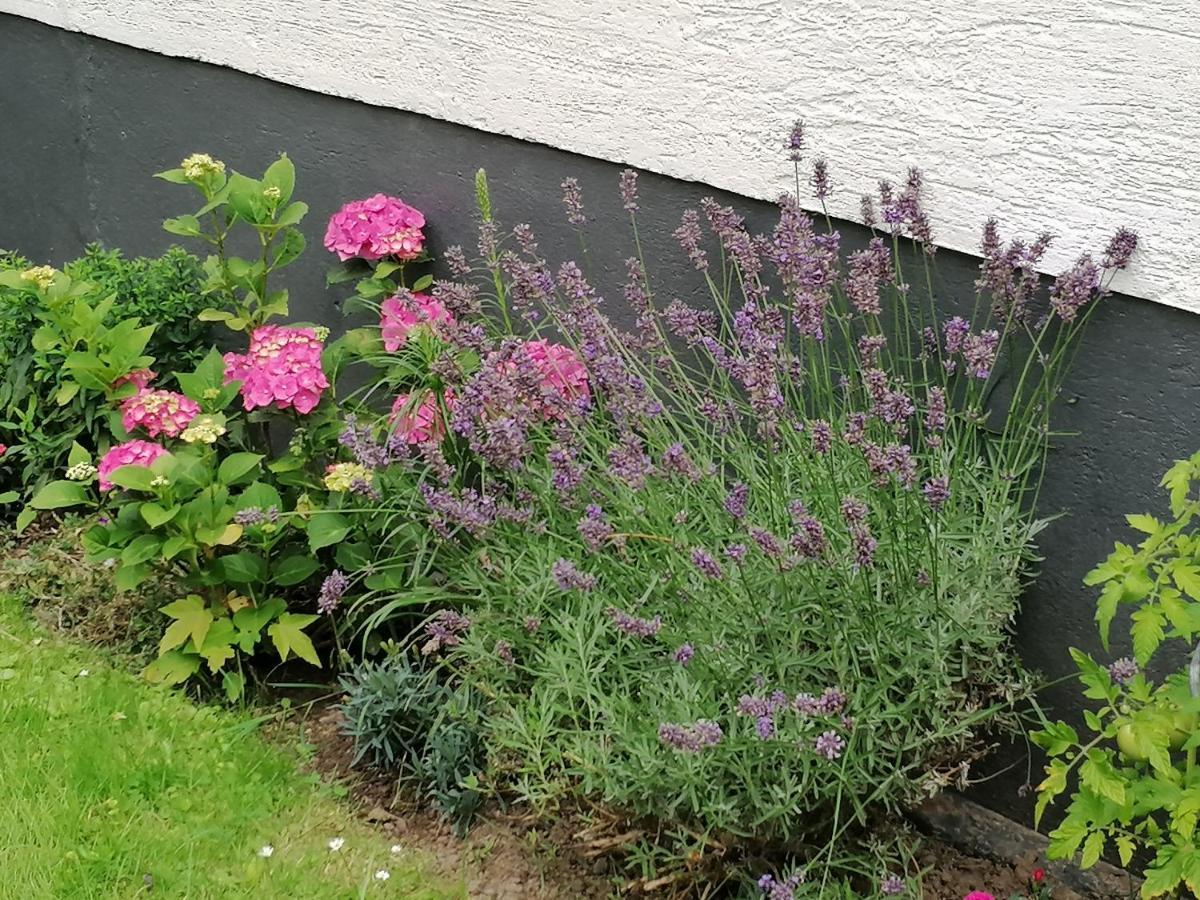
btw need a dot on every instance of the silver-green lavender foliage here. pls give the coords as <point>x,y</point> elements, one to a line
<point>753,574</point>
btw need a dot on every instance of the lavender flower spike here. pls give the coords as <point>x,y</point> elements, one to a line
<point>629,190</point>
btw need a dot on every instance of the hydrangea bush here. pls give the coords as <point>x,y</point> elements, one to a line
<point>744,569</point>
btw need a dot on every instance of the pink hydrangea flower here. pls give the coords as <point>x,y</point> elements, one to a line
<point>158,412</point>
<point>131,453</point>
<point>140,379</point>
<point>979,895</point>
<point>420,423</point>
<point>562,373</point>
<point>376,227</point>
<point>401,314</point>
<point>282,367</point>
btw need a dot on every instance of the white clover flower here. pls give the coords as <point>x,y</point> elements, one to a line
<point>397,849</point>
<point>336,844</point>
<point>83,673</point>
<point>266,851</point>
<point>383,875</point>
<point>81,472</point>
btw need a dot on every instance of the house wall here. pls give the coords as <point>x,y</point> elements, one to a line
<point>86,121</point>
<point>1070,115</point>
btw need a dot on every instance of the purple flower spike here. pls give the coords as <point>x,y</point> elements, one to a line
<point>708,566</point>
<point>1120,248</point>
<point>683,654</point>
<point>892,886</point>
<point>573,202</point>
<point>937,491</point>
<point>829,744</point>
<point>333,588</point>
<point>629,190</point>
<point>1123,670</point>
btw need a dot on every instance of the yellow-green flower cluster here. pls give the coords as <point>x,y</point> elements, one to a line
<point>42,276</point>
<point>343,476</point>
<point>203,430</point>
<point>201,165</point>
<point>272,192</point>
<point>81,472</point>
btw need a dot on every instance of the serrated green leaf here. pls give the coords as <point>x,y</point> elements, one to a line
<point>172,667</point>
<point>288,637</point>
<point>1147,632</point>
<point>218,644</point>
<point>1143,523</point>
<point>1093,848</point>
<point>192,620</point>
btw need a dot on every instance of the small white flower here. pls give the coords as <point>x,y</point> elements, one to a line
<point>383,875</point>
<point>336,844</point>
<point>266,851</point>
<point>397,849</point>
<point>83,673</point>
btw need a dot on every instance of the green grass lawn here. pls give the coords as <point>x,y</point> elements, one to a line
<point>110,787</point>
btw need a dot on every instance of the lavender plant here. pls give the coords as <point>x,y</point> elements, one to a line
<point>745,568</point>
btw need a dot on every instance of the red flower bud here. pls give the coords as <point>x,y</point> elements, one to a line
<point>1038,876</point>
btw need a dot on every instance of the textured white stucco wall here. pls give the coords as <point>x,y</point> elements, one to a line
<point>1072,115</point>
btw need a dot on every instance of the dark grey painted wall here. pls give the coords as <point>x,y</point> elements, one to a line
<point>84,123</point>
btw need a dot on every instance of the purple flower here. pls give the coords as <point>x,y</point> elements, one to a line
<point>1073,289</point>
<point>444,629</point>
<point>854,511</point>
<point>504,652</point>
<point>832,701</point>
<point>935,414</point>
<point>675,461</point>
<point>869,347</point>
<point>456,261</point>
<point>333,588</point>
<point>809,541</point>
<point>868,269</point>
<point>250,516</point>
<point>795,141</point>
<point>808,705</point>
<point>736,552</point>
<point>701,735</point>
<point>979,352</point>
<point>892,886</point>
<point>764,727</point>
<point>937,491</point>
<point>629,462</point>
<point>568,577</point>
<point>633,625</point>
<point>822,436</point>
<point>864,545</point>
<point>1123,670</point>
<point>708,566</point>
<point>683,654</point>
<point>807,266</point>
<point>955,331</point>
<point>594,528</point>
<point>573,201</point>
<point>780,890</point>
<point>736,500</point>
<point>629,190</point>
<point>820,179</point>
<point>752,705</point>
<point>866,210</point>
<point>1120,248</point>
<point>531,624</point>
<point>767,542</point>
<point>829,744</point>
<point>689,237</point>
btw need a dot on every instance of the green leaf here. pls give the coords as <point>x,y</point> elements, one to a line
<point>58,494</point>
<point>25,518</point>
<point>293,214</point>
<point>242,568</point>
<point>288,637</point>
<point>172,667</point>
<point>1188,579</point>
<point>235,467</point>
<point>1106,609</point>
<point>78,455</point>
<point>1163,878</point>
<point>10,497</point>
<point>423,283</point>
<point>218,644</point>
<point>1097,775</point>
<point>155,516</point>
<point>1054,784</point>
<point>259,495</point>
<point>293,570</point>
<point>129,577</point>
<point>1147,632</point>
<point>213,315</point>
<point>142,548</point>
<point>1143,523</point>
<point>281,174</point>
<point>192,620</point>
<point>175,176</point>
<point>133,478</point>
<point>326,529</point>
<point>1179,482</point>
<point>173,546</point>
<point>185,226</point>
<point>1093,847</point>
<point>234,684</point>
<point>1125,848</point>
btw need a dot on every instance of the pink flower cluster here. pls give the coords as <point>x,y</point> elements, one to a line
<point>376,227</point>
<point>401,314</point>
<point>131,453</point>
<point>563,374</point>
<point>158,412</point>
<point>282,367</point>
<point>140,379</point>
<point>420,423</point>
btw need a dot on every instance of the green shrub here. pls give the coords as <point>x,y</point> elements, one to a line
<point>1137,785</point>
<point>41,414</point>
